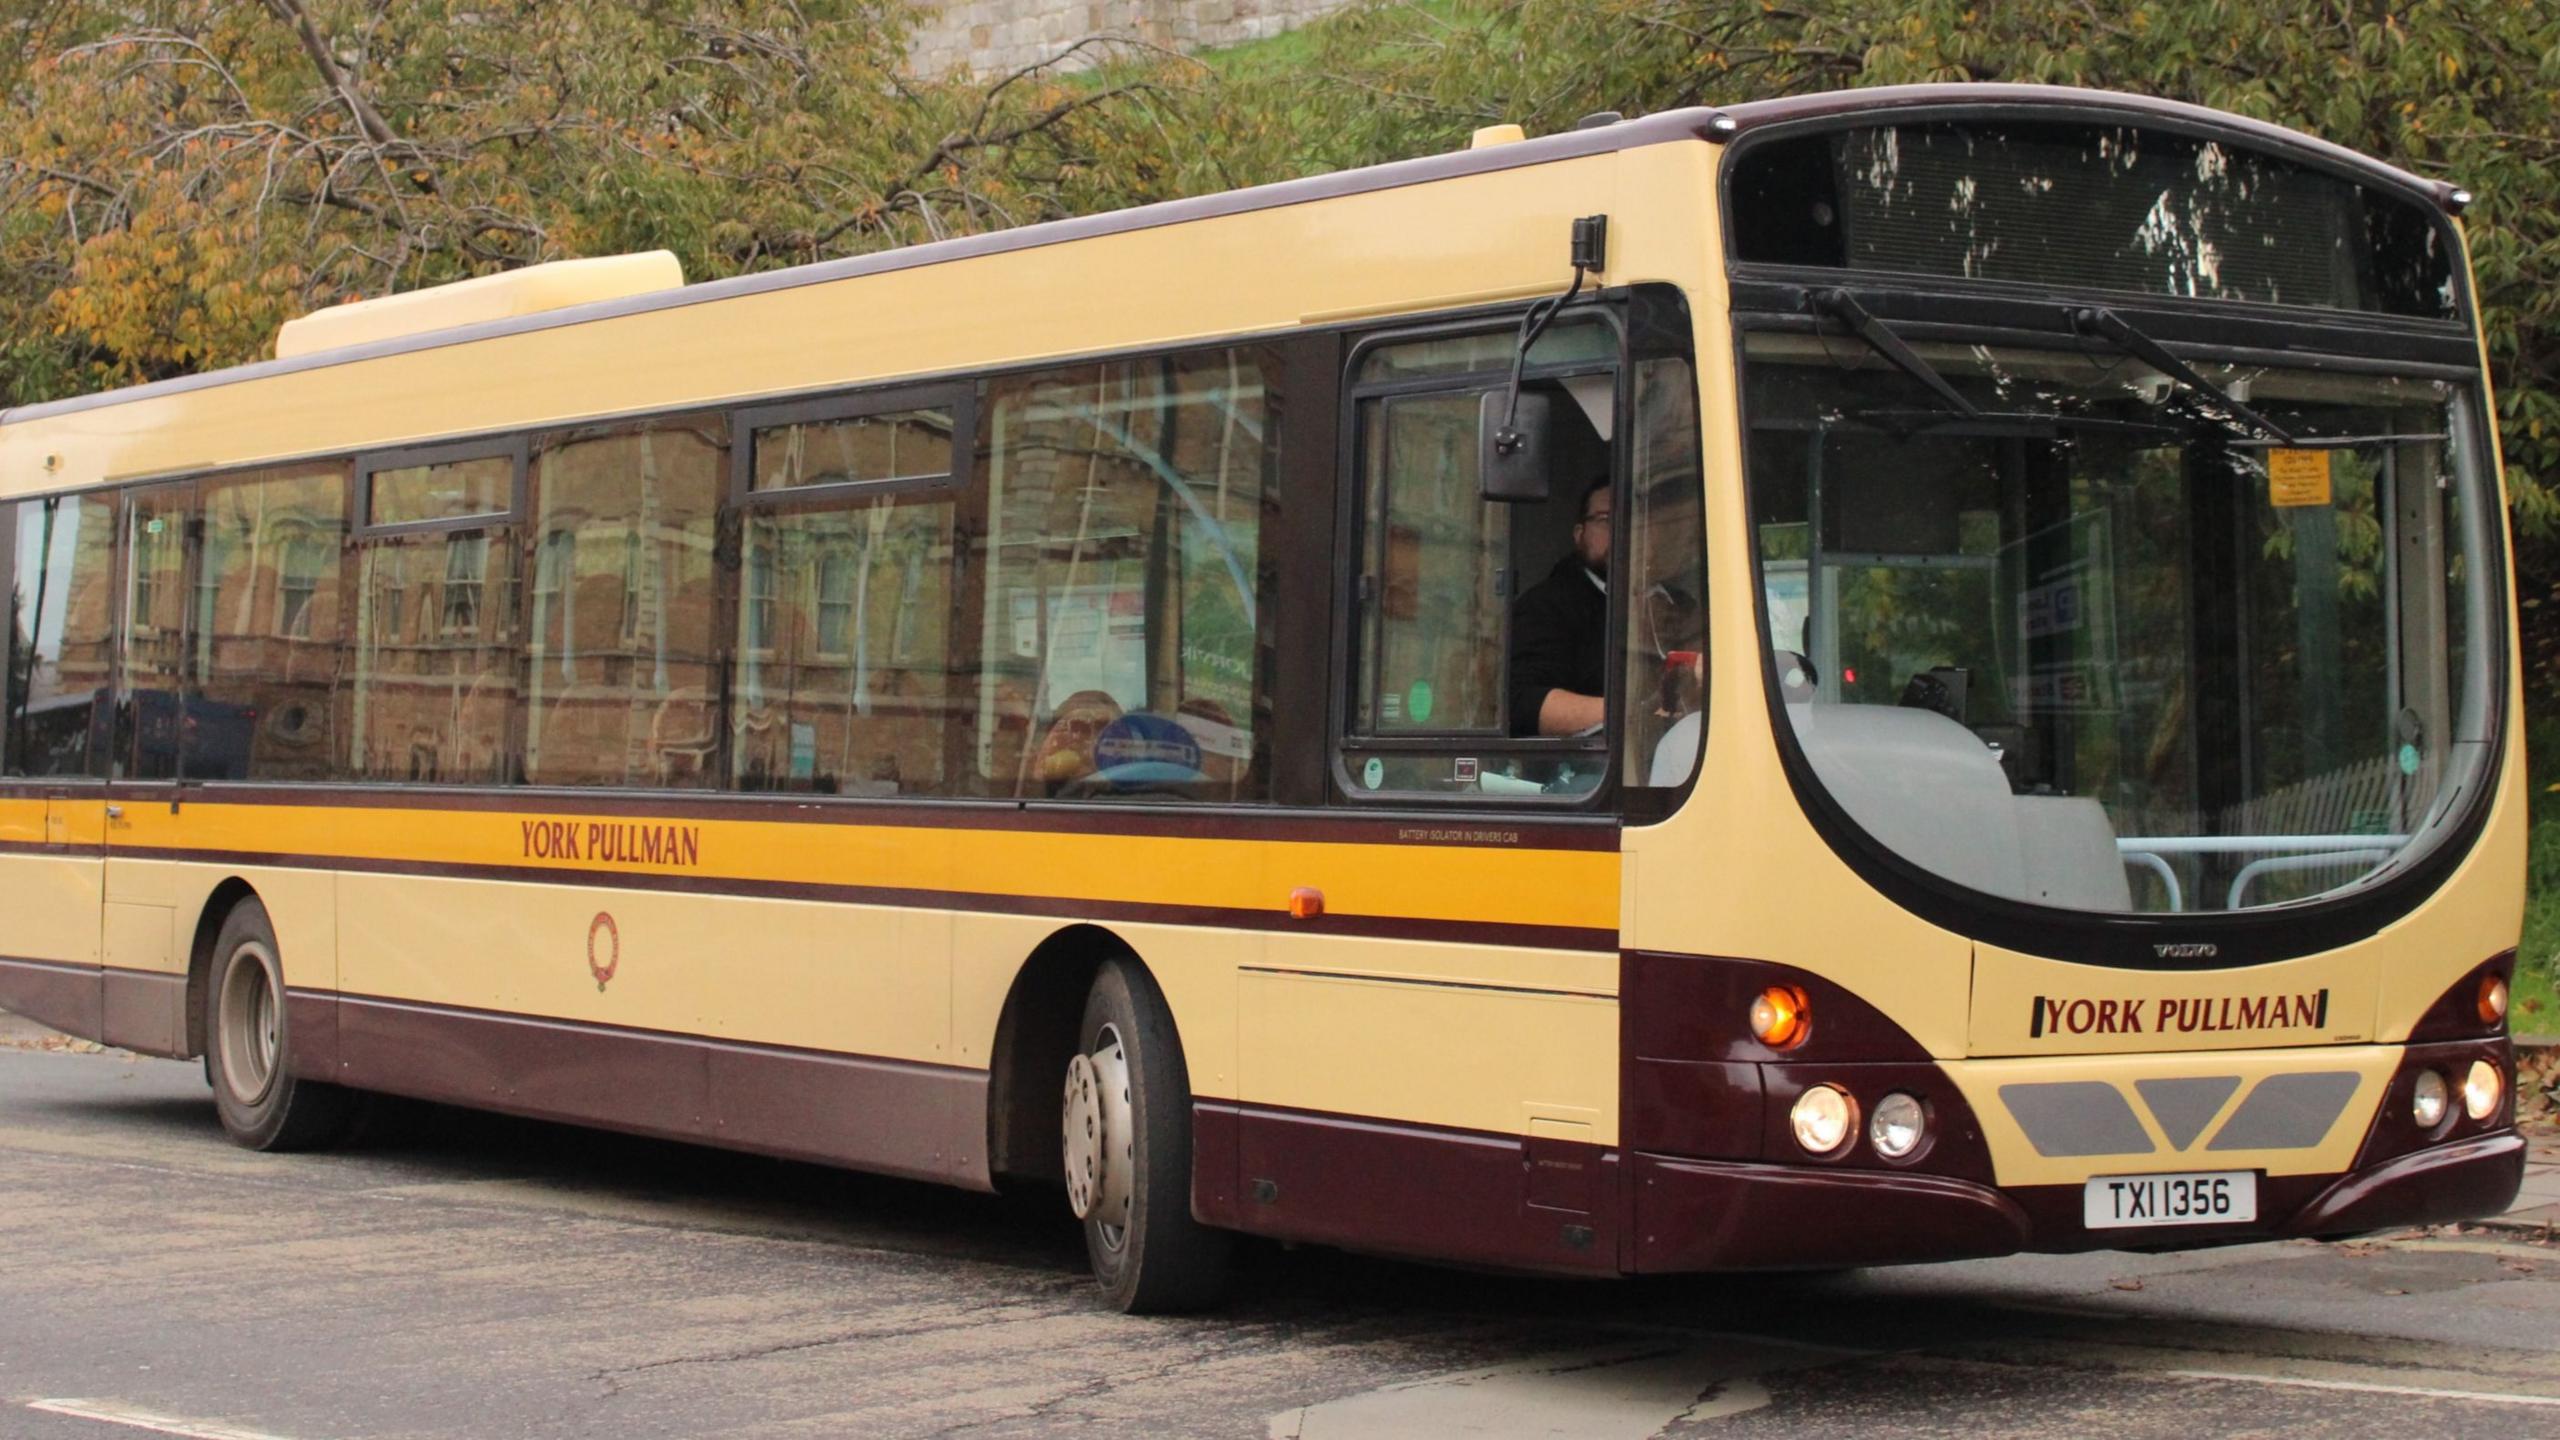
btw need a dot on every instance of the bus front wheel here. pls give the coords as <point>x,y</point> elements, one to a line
<point>263,1105</point>
<point>1127,1137</point>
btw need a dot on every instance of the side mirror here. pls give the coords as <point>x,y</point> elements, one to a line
<point>1514,459</point>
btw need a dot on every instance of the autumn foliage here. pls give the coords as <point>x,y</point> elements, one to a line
<point>177,177</point>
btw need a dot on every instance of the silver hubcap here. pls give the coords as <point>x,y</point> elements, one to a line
<point>1100,1137</point>
<point>251,1023</point>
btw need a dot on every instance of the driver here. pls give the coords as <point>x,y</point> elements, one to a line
<point>1560,632</point>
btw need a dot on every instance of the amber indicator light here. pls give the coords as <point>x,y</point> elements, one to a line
<point>2493,998</point>
<point>1306,903</point>
<point>1781,1017</point>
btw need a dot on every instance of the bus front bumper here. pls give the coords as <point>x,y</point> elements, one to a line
<point>1729,1215</point>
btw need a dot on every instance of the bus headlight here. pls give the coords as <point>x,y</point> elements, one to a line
<point>1823,1118</point>
<point>2482,1089</point>
<point>2427,1107</point>
<point>1898,1126</point>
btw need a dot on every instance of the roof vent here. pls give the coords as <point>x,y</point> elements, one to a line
<point>1492,135</point>
<point>503,296</point>
<point>1598,120</point>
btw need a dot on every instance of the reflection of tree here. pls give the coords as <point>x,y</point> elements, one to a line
<point>2146,491</point>
<point>1896,621</point>
<point>2354,490</point>
<point>22,660</point>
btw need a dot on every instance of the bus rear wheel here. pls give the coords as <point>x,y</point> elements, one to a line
<point>1127,1138</point>
<point>263,1105</point>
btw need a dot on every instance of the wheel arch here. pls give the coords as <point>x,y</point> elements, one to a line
<point>1035,1037</point>
<point>218,906</point>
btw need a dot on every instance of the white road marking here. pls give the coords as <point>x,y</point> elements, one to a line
<point>109,1412</point>
<point>2368,1387</point>
<point>1605,1395</point>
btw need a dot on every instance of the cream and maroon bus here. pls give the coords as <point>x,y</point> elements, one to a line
<point>1078,704</point>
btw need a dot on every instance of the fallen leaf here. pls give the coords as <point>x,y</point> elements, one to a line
<point>2126,1283</point>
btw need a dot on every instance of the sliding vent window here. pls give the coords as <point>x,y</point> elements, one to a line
<point>264,645</point>
<point>449,490</point>
<point>842,681</point>
<point>1440,574</point>
<point>911,445</point>
<point>1125,628</point>
<point>434,666</point>
<point>62,613</point>
<point>621,677</point>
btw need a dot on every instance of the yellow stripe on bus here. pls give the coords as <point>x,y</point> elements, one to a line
<point>1483,885</point>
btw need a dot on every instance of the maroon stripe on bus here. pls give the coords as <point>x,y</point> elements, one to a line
<point>895,1117</point>
<point>69,998</point>
<point>144,1011</point>
<point>1433,1192</point>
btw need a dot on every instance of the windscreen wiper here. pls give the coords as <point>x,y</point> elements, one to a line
<point>2108,325</point>
<point>1844,307</point>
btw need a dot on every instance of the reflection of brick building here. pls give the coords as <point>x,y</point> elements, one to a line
<point>622,621</point>
<point>65,597</point>
<point>1108,542</point>
<point>267,625</point>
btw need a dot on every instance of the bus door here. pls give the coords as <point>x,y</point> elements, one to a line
<point>61,579</point>
<point>145,966</point>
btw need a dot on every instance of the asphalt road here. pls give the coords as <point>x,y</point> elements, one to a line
<point>462,1275</point>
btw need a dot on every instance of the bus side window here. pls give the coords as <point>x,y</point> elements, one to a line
<point>843,673</point>
<point>264,653</point>
<point>434,691</point>
<point>1126,625</point>
<point>621,681</point>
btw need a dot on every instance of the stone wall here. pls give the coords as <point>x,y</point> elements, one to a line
<point>994,36</point>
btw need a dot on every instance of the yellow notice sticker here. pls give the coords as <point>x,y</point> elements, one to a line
<point>2298,477</point>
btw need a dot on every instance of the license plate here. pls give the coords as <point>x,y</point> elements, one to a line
<point>2212,1197</point>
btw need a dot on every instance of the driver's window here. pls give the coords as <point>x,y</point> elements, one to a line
<point>1480,638</point>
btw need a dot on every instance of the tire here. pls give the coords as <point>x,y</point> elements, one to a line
<point>1127,1140</point>
<point>247,1047</point>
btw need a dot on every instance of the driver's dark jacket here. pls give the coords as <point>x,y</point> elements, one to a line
<point>1559,641</point>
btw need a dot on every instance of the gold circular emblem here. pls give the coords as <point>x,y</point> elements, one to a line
<point>604,948</point>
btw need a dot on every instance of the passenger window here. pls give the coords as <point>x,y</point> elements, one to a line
<point>1126,633</point>
<point>434,688</point>
<point>149,719</point>
<point>843,681</point>
<point>621,680</point>
<point>1480,631</point>
<point>63,619</point>
<point>263,676</point>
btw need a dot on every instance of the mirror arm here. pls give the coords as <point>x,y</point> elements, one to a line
<point>1590,250</point>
